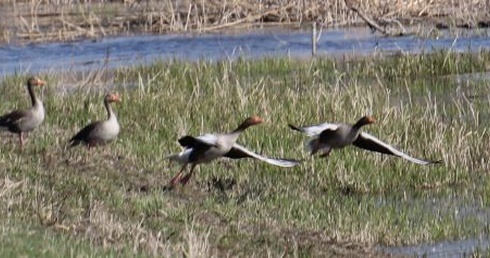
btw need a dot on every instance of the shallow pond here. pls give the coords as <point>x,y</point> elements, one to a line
<point>123,51</point>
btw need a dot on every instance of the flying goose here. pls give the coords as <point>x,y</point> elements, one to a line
<point>208,147</point>
<point>328,136</point>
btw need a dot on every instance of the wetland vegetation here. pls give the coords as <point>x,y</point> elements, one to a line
<point>24,21</point>
<point>111,200</point>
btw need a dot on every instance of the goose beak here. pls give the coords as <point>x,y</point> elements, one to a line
<point>371,120</point>
<point>257,120</point>
<point>40,82</point>
<point>116,98</point>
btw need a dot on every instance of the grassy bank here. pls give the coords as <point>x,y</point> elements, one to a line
<point>34,21</point>
<point>112,198</point>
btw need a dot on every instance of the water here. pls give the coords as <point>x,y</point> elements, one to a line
<point>447,249</point>
<point>123,51</point>
<point>462,206</point>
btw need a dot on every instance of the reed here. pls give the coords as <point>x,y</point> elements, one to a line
<point>34,21</point>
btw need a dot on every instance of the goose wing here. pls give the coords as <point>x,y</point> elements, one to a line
<point>83,134</point>
<point>313,130</point>
<point>189,141</point>
<point>12,118</point>
<point>369,142</point>
<point>239,152</point>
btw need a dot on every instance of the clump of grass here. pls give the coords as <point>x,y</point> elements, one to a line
<point>348,203</point>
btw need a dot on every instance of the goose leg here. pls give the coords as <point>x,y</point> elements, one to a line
<point>176,179</point>
<point>21,140</point>
<point>186,178</point>
<point>91,144</point>
<point>325,153</point>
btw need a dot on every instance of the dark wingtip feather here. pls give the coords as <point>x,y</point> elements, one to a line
<point>186,140</point>
<point>295,128</point>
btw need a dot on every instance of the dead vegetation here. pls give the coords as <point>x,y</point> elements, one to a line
<point>61,20</point>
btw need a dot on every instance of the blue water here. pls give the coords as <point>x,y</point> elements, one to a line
<point>123,51</point>
<point>447,249</point>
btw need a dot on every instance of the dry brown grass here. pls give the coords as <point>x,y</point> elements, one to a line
<point>59,20</point>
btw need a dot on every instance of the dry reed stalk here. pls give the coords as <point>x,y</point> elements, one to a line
<point>38,16</point>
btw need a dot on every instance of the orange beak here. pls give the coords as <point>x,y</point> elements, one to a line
<point>371,120</point>
<point>257,120</point>
<point>40,82</point>
<point>116,98</point>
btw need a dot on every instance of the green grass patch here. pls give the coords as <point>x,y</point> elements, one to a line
<point>112,197</point>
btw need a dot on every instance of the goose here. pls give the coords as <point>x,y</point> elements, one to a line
<point>208,147</point>
<point>99,132</point>
<point>328,136</point>
<point>25,120</point>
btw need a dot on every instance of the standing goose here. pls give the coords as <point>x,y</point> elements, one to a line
<point>208,147</point>
<point>329,136</point>
<point>26,120</point>
<point>99,132</point>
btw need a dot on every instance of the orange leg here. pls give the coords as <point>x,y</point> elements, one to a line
<point>176,179</point>
<point>185,179</point>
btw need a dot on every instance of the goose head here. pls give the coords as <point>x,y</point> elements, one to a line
<point>253,120</point>
<point>112,97</point>
<point>365,120</point>
<point>35,81</point>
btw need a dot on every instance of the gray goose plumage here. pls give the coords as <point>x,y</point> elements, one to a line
<point>328,136</point>
<point>25,120</point>
<point>208,147</point>
<point>99,132</point>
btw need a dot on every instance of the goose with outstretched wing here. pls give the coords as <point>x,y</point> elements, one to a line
<point>328,136</point>
<point>209,147</point>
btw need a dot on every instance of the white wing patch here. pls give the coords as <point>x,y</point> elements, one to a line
<point>182,157</point>
<point>208,139</point>
<point>277,162</point>
<point>313,130</point>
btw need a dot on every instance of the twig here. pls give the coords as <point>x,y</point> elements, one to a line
<point>73,26</point>
<point>372,24</point>
<point>313,40</point>
<point>249,18</point>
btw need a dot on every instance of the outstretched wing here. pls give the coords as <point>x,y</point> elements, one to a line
<point>189,141</point>
<point>313,130</point>
<point>369,142</point>
<point>240,152</point>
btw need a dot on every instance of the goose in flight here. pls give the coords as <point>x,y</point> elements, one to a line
<point>208,147</point>
<point>328,136</point>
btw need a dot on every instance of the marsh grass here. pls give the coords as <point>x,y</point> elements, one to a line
<point>36,20</point>
<point>113,197</point>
